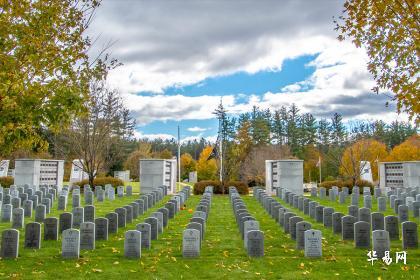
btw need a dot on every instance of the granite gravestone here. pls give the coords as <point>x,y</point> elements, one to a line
<point>313,244</point>
<point>191,243</point>
<point>70,244</point>
<point>33,236</point>
<point>255,245</point>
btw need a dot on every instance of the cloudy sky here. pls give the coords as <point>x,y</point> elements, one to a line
<point>182,57</point>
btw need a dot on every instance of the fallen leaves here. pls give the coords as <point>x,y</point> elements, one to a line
<point>97,270</point>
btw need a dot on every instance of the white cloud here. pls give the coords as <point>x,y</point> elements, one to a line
<point>164,136</point>
<point>196,129</point>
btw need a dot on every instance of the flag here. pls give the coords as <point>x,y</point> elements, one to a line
<point>215,152</point>
<point>318,164</point>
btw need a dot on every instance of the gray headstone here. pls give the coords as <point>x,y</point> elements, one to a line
<point>87,236</point>
<point>101,229</point>
<point>381,243</point>
<point>364,215</point>
<point>313,243</point>
<point>132,244</point>
<point>51,228</point>
<point>89,215</point>
<point>89,198</point>
<point>416,208</point>
<point>78,216</point>
<point>402,213</point>
<point>129,214</point>
<point>191,243</point>
<point>75,200</point>
<point>18,218</point>
<point>154,227</point>
<point>292,225</point>
<point>409,235</point>
<point>362,235</point>
<point>392,226</point>
<point>381,204</point>
<point>336,222</point>
<point>165,213</point>
<point>319,214</point>
<point>33,235</point>
<point>112,222</point>
<point>353,211</point>
<point>159,216</point>
<point>146,238</point>
<point>347,227</point>
<point>255,245</point>
<point>378,222</point>
<point>135,207</point>
<point>367,201</point>
<point>129,190</point>
<point>66,221</point>
<point>327,216</point>
<point>27,207</point>
<point>287,216</point>
<point>10,243</point>
<point>122,216</point>
<point>248,226</point>
<point>16,202</point>
<point>70,248</point>
<point>301,227</point>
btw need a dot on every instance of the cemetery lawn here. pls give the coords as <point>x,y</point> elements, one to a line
<point>222,254</point>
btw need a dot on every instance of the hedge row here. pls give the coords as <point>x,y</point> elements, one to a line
<point>101,181</point>
<point>348,183</point>
<point>6,181</point>
<point>199,187</point>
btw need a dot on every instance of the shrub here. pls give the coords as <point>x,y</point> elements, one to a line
<point>6,181</point>
<point>101,181</point>
<point>348,183</point>
<point>199,187</point>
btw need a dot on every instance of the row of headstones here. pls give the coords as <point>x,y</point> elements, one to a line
<point>15,213</point>
<point>301,231</point>
<point>249,227</point>
<point>193,235</point>
<point>409,197</point>
<point>376,219</point>
<point>91,229</point>
<point>140,238</point>
<point>359,224</point>
<point>24,197</point>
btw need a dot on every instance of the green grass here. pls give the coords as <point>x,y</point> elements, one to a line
<point>222,254</point>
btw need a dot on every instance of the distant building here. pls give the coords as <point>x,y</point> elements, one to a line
<point>77,174</point>
<point>122,175</point>
<point>399,174</point>
<point>286,174</point>
<point>39,172</point>
<point>157,172</point>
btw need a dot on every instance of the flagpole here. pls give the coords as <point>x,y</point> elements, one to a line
<point>320,180</point>
<point>221,155</point>
<point>179,157</point>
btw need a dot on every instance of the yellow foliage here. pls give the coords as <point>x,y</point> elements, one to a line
<point>206,168</point>
<point>362,150</point>
<point>406,151</point>
<point>188,164</point>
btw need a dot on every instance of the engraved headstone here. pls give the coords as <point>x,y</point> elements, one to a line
<point>336,222</point>
<point>78,216</point>
<point>70,244</point>
<point>154,227</point>
<point>301,227</point>
<point>87,236</point>
<point>362,234</point>
<point>10,243</point>
<point>402,213</point>
<point>313,244</point>
<point>89,213</point>
<point>33,235</point>
<point>347,227</point>
<point>255,245</point>
<point>392,226</point>
<point>51,228</point>
<point>146,238</point>
<point>409,235</point>
<point>18,218</point>
<point>381,243</point>
<point>191,243</point>
<point>66,221</point>
<point>377,221</point>
<point>112,222</point>
<point>122,216</point>
<point>101,229</point>
<point>132,244</point>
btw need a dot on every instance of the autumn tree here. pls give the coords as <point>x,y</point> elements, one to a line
<point>406,151</point>
<point>389,30</point>
<point>310,168</point>
<point>188,164</point>
<point>363,150</point>
<point>144,151</point>
<point>94,134</point>
<point>44,68</point>
<point>206,168</point>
